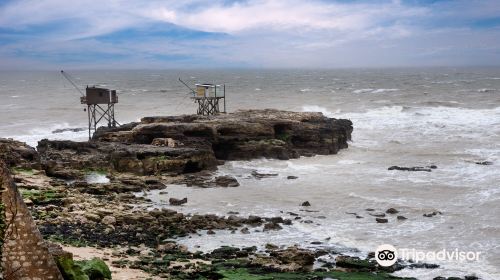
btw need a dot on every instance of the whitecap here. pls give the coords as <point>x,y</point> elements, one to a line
<point>486,90</point>
<point>363,90</point>
<point>96,178</point>
<point>316,108</point>
<point>380,90</point>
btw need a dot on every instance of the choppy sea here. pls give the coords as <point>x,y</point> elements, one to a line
<point>448,117</point>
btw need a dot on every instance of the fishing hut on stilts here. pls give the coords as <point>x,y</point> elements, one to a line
<point>209,98</point>
<point>100,105</point>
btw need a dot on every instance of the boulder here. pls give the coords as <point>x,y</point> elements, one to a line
<point>414,168</point>
<point>95,269</point>
<point>391,211</point>
<point>354,263</point>
<point>18,154</point>
<point>294,255</point>
<point>108,220</point>
<point>177,202</point>
<point>272,226</point>
<point>381,220</point>
<point>226,181</point>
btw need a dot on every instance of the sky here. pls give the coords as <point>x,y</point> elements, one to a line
<point>163,34</point>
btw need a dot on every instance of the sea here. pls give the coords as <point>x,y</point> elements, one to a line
<point>447,117</point>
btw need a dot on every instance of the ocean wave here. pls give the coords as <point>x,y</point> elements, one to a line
<point>36,134</point>
<point>316,108</point>
<point>435,122</point>
<point>371,90</point>
<point>486,90</point>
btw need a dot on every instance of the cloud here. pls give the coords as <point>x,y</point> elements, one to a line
<point>258,33</point>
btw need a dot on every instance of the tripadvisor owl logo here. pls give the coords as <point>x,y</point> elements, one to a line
<point>386,255</point>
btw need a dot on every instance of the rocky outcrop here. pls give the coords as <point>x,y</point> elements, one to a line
<point>62,158</point>
<point>18,154</point>
<point>191,143</point>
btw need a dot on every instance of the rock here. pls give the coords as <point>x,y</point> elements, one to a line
<point>354,262</point>
<point>18,154</point>
<point>78,129</point>
<point>401,218</point>
<point>168,142</point>
<point>228,252</point>
<point>276,220</point>
<point>167,247</point>
<point>96,269</point>
<point>292,177</point>
<point>210,232</point>
<point>263,175</point>
<point>294,255</point>
<point>305,203</point>
<point>254,220</point>
<point>423,265</point>
<point>272,226</point>
<point>92,217</point>
<point>270,246</point>
<point>183,248</point>
<point>415,168</point>
<point>381,220</point>
<point>70,270</point>
<point>186,144</point>
<point>378,214</point>
<point>226,181</point>
<point>432,214</point>
<point>245,230</point>
<point>108,220</point>
<point>391,211</point>
<point>177,202</point>
<point>484,162</point>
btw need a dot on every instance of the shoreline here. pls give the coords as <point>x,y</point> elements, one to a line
<point>167,150</point>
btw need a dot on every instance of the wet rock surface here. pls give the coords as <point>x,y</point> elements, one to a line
<point>414,168</point>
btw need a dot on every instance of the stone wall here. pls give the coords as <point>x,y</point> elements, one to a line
<point>25,254</point>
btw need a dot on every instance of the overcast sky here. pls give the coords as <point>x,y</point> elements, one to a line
<point>53,34</point>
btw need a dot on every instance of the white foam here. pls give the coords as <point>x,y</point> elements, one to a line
<point>363,90</point>
<point>316,108</point>
<point>96,178</point>
<point>37,134</point>
<point>371,90</point>
<point>380,90</point>
<point>486,90</point>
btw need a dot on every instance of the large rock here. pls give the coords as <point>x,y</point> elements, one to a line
<point>18,154</point>
<point>191,143</point>
<point>294,255</point>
